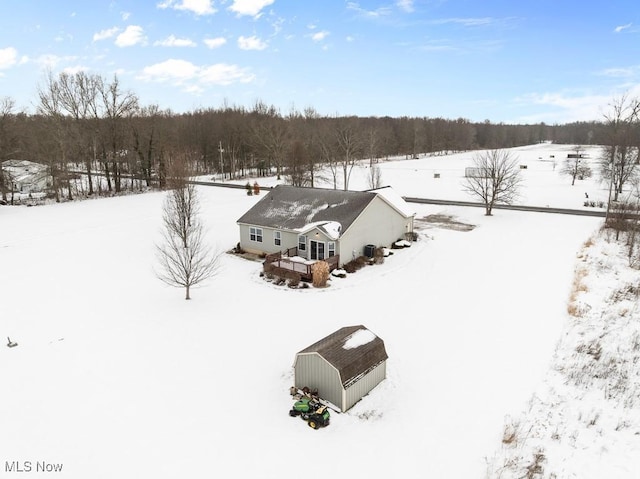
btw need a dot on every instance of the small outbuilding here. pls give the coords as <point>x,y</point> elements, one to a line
<point>343,367</point>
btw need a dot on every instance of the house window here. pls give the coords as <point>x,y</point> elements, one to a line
<point>331,248</point>
<point>255,234</point>
<point>317,249</point>
<point>277,239</point>
<point>302,243</point>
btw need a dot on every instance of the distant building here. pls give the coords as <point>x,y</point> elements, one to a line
<point>474,172</point>
<point>26,177</point>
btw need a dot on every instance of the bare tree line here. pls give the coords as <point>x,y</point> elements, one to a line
<point>86,123</point>
<point>497,176</point>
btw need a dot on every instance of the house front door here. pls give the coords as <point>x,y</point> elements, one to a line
<point>317,250</point>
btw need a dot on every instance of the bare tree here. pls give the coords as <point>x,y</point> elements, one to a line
<point>78,95</point>
<point>349,145</point>
<point>305,150</point>
<point>185,259</point>
<point>372,145</point>
<point>61,132</point>
<point>118,106</point>
<point>575,167</point>
<point>8,143</point>
<point>149,143</point>
<point>496,179</point>
<point>619,163</point>
<point>327,149</point>
<point>297,161</point>
<point>270,134</point>
<point>375,177</point>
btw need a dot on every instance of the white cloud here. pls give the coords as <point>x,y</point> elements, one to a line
<point>379,12</point>
<point>224,74</point>
<point>192,77</point>
<point>8,57</point>
<point>215,42</point>
<point>132,35</point>
<point>406,5</point>
<point>199,7</point>
<point>75,69</point>
<point>569,106</point>
<point>437,46</point>
<point>319,36</point>
<point>620,72</point>
<point>173,41</point>
<point>277,25</point>
<point>48,61</point>
<point>466,22</point>
<point>620,28</point>
<point>172,69</point>
<point>251,43</point>
<point>249,7</point>
<point>125,16</point>
<point>195,89</point>
<point>104,34</point>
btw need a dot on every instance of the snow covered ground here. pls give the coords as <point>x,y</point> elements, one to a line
<point>116,375</point>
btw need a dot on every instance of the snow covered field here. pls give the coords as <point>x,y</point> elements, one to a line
<point>116,375</point>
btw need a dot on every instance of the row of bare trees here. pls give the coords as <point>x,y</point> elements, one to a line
<point>619,164</point>
<point>85,118</point>
<point>86,123</point>
<point>620,167</point>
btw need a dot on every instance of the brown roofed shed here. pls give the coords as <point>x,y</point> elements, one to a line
<point>343,367</point>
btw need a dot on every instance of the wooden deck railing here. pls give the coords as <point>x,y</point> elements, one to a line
<point>282,260</point>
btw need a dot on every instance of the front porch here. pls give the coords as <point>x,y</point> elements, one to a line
<point>289,260</point>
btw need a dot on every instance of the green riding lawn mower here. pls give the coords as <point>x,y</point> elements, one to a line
<point>311,410</point>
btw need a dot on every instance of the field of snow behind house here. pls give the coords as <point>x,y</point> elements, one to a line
<point>440,176</point>
<point>115,375</point>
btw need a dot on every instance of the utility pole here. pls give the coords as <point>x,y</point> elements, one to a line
<point>221,150</point>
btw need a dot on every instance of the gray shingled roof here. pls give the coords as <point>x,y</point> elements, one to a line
<point>292,208</point>
<point>351,363</point>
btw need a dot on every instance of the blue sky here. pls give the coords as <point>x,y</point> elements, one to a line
<point>512,61</point>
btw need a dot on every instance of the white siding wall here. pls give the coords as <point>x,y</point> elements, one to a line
<point>362,387</point>
<point>379,224</point>
<point>288,240</point>
<point>312,371</point>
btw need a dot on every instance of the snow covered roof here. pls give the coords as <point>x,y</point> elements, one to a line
<point>352,350</point>
<point>331,228</point>
<point>23,168</point>
<point>294,208</point>
<point>24,164</point>
<point>395,200</point>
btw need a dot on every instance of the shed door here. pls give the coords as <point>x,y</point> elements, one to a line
<point>317,250</point>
